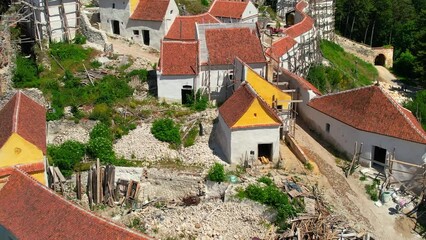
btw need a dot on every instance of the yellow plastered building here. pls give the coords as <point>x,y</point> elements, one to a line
<point>23,137</point>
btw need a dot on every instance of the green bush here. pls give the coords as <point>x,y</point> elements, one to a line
<point>70,81</point>
<point>191,136</point>
<point>55,113</point>
<point>101,112</point>
<point>79,39</point>
<point>266,180</point>
<point>418,106</point>
<point>166,130</point>
<point>67,51</point>
<point>198,102</point>
<point>101,148</point>
<point>66,155</point>
<point>101,130</point>
<point>205,3</point>
<point>405,64</point>
<point>111,88</point>
<point>216,173</point>
<point>141,73</point>
<point>95,64</point>
<point>25,73</point>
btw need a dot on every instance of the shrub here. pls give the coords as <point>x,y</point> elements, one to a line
<point>166,130</point>
<point>66,155</point>
<point>404,65</point>
<point>216,173</point>
<point>95,64</point>
<point>101,148</point>
<point>266,180</point>
<point>190,138</point>
<point>141,73</point>
<point>68,51</point>
<point>205,3</point>
<point>101,112</point>
<point>111,88</point>
<point>25,73</point>
<point>79,39</point>
<point>101,130</point>
<point>418,106</point>
<point>309,166</point>
<point>198,102</point>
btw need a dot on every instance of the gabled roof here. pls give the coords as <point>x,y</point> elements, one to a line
<point>237,105</point>
<point>370,109</point>
<point>32,211</point>
<point>150,10</point>
<point>224,44</point>
<point>183,27</point>
<point>23,116</point>
<point>280,47</point>
<point>228,9</point>
<point>179,58</point>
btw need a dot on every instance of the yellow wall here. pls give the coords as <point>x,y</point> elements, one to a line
<point>133,4</point>
<point>266,90</point>
<point>17,150</point>
<point>255,115</point>
<point>40,177</point>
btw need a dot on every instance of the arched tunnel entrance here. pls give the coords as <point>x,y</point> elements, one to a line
<point>289,18</point>
<point>380,60</point>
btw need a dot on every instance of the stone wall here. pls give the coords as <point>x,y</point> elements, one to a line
<point>6,58</point>
<point>365,52</point>
<point>93,35</point>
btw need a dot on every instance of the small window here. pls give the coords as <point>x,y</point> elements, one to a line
<point>113,5</point>
<point>280,107</point>
<point>255,115</point>
<point>171,11</point>
<point>231,76</point>
<point>327,127</point>
<point>136,32</point>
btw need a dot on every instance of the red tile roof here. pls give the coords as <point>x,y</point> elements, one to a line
<point>32,211</point>
<point>183,28</point>
<point>225,44</point>
<point>228,9</point>
<point>371,109</point>
<point>23,116</point>
<point>150,10</point>
<point>28,168</point>
<point>303,26</point>
<point>280,47</point>
<point>179,58</point>
<point>240,101</point>
<point>302,82</point>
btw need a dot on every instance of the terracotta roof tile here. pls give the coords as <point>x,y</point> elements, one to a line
<point>229,9</point>
<point>183,27</point>
<point>28,168</point>
<point>280,47</point>
<point>35,212</point>
<point>240,101</point>
<point>150,10</point>
<point>179,58</point>
<point>225,44</point>
<point>302,82</point>
<point>372,110</point>
<point>23,116</point>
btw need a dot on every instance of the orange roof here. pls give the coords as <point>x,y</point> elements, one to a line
<point>302,82</point>
<point>228,9</point>
<point>240,101</point>
<point>150,10</point>
<point>370,109</point>
<point>23,116</point>
<point>280,47</point>
<point>35,212</point>
<point>179,58</point>
<point>224,44</point>
<point>183,28</point>
<point>28,168</point>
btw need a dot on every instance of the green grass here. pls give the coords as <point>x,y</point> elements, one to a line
<point>359,71</point>
<point>194,7</point>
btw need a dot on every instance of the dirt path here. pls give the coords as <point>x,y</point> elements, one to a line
<point>347,195</point>
<point>385,75</point>
<point>122,47</point>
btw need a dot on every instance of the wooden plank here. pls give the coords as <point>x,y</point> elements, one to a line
<point>98,181</point>
<point>408,164</point>
<point>60,176</point>
<point>78,184</point>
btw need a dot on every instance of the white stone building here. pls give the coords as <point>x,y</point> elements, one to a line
<point>228,11</point>
<point>247,128</point>
<point>144,21</point>
<point>368,115</point>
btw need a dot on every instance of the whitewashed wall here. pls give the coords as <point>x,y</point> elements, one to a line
<point>170,87</point>
<point>250,13</point>
<point>223,137</point>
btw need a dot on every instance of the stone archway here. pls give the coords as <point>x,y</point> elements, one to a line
<point>290,18</point>
<point>380,60</point>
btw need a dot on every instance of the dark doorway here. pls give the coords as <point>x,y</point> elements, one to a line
<point>380,60</point>
<point>265,150</point>
<point>289,18</point>
<point>115,27</point>
<point>186,94</point>
<point>145,35</point>
<point>379,155</point>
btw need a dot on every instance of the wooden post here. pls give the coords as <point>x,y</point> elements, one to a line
<point>78,184</point>
<point>89,188</point>
<point>98,181</point>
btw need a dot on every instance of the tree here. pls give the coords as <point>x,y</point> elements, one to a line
<point>166,130</point>
<point>418,107</point>
<point>66,155</point>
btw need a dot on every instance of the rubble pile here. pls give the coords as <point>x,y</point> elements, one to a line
<point>60,131</point>
<point>208,220</point>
